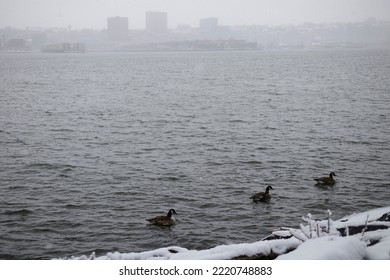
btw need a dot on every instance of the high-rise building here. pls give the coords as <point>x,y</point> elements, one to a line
<point>117,28</point>
<point>156,22</point>
<point>209,24</point>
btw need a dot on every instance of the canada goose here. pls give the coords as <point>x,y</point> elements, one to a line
<point>167,220</point>
<point>326,180</point>
<point>262,196</point>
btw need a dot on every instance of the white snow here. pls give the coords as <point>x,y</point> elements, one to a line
<point>221,252</point>
<point>360,218</point>
<point>224,252</point>
<point>318,240</point>
<point>381,250</point>
<point>328,248</point>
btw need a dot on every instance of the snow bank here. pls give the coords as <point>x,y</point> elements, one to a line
<point>329,248</point>
<point>221,252</point>
<point>380,250</point>
<point>224,252</point>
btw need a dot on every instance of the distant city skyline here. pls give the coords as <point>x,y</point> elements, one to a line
<point>93,14</point>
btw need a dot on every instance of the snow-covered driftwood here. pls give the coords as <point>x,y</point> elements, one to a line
<point>359,236</point>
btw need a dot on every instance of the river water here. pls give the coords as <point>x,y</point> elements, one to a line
<point>93,144</point>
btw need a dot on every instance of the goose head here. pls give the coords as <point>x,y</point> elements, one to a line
<point>171,212</point>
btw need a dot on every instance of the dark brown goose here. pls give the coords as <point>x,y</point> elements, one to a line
<point>167,220</point>
<point>262,196</point>
<point>326,180</point>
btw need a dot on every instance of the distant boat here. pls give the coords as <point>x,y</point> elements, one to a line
<point>64,48</point>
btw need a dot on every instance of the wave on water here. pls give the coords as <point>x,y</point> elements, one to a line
<point>50,166</point>
<point>22,212</point>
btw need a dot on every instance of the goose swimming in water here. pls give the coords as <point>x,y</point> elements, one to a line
<point>326,180</point>
<point>167,220</point>
<point>262,196</point>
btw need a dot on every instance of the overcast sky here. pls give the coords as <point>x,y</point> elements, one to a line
<point>79,14</point>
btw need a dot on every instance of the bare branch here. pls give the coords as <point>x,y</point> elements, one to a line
<point>365,226</point>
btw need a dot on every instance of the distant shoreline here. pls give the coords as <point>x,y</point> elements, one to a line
<point>381,47</point>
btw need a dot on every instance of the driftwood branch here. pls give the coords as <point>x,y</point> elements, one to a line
<point>365,226</point>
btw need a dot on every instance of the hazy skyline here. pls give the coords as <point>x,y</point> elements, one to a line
<point>93,13</point>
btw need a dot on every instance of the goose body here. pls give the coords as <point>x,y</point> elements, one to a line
<point>167,220</point>
<point>262,196</point>
<point>330,181</point>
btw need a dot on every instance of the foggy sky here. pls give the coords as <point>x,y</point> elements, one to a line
<point>79,14</point>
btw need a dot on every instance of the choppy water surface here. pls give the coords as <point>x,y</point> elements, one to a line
<point>93,144</point>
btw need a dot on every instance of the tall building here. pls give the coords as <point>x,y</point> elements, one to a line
<point>117,28</point>
<point>209,24</point>
<point>156,22</point>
